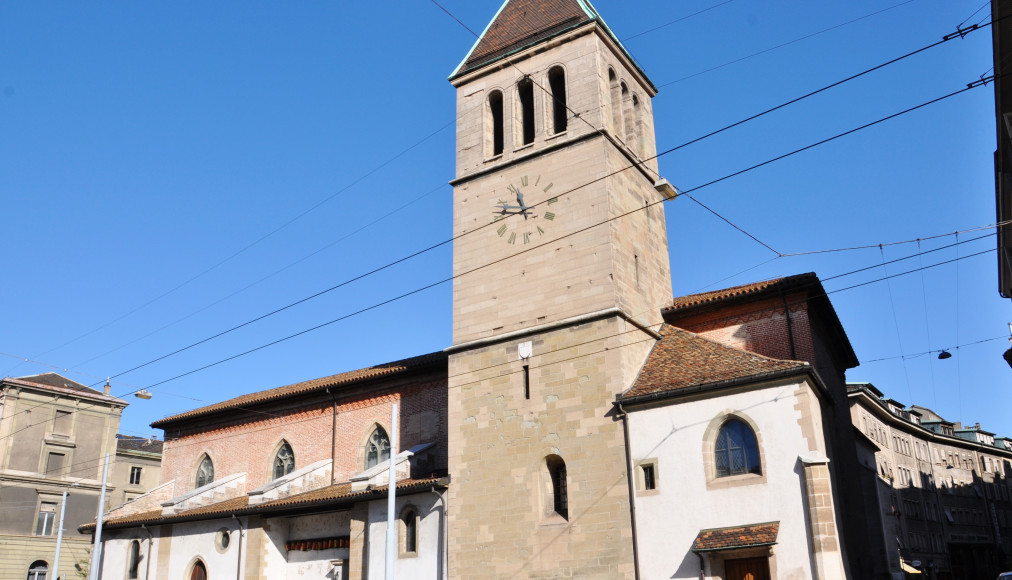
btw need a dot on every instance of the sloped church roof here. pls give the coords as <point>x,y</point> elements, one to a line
<point>520,24</point>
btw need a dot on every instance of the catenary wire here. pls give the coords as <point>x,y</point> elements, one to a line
<point>793,303</point>
<point>677,20</point>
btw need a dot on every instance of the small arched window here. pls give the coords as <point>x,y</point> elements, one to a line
<point>560,489</point>
<point>560,111</point>
<point>377,449</point>
<point>205,471</point>
<point>409,531</point>
<point>284,461</point>
<point>133,559</point>
<point>494,126</point>
<point>637,132</point>
<point>38,570</point>
<point>736,450</point>
<point>525,92</point>
<point>628,122</point>
<point>615,98</point>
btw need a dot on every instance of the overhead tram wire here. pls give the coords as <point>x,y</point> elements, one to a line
<point>676,21</point>
<point>585,354</point>
<point>970,86</point>
<point>255,242</point>
<point>671,150</point>
<point>738,313</point>
<point>960,34</point>
<point>772,48</point>
<point>271,275</point>
<point>576,232</point>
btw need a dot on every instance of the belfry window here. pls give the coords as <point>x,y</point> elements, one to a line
<point>525,91</point>
<point>494,137</point>
<point>560,489</point>
<point>615,96</point>
<point>736,450</point>
<point>627,116</point>
<point>377,449</point>
<point>284,461</point>
<point>205,472</point>
<point>557,85</point>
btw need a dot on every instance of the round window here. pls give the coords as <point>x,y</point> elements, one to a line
<point>222,540</point>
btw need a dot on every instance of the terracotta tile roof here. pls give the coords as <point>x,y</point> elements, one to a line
<point>716,296</point>
<point>523,23</point>
<point>336,494</point>
<point>342,379</point>
<point>682,359</point>
<point>737,537</point>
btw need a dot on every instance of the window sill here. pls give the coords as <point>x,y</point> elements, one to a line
<point>732,481</point>
<point>521,148</point>
<point>554,520</point>
<point>405,555</point>
<point>647,492</point>
<point>493,158</point>
<point>556,135</point>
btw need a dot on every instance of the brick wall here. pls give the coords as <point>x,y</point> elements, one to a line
<point>248,443</point>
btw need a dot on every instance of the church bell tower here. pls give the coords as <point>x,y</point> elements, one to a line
<point>561,267</point>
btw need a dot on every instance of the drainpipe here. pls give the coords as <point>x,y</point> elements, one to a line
<point>446,538</point>
<point>333,440</point>
<point>702,567</point>
<point>147,562</point>
<point>632,490</point>
<point>238,560</point>
<point>790,329</point>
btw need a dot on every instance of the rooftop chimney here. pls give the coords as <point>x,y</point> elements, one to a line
<point>107,389</point>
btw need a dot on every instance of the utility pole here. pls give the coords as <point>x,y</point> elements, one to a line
<point>96,550</point>
<point>59,537</point>
<point>391,499</point>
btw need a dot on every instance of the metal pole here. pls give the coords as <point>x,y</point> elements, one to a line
<point>391,498</point>
<point>96,549</point>
<point>59,537</point>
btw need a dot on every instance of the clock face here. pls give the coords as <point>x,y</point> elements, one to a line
<point>526,210</point>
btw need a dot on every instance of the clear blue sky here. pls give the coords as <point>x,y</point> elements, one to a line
<point>145,146</point>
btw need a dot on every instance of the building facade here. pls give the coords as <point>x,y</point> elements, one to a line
<point>54,435</point>
<point>292,483</point>
<point>938,494</point>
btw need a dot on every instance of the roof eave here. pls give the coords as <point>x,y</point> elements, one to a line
<point>729,383</point>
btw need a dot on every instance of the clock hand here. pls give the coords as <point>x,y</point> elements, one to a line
<point>523,206</point>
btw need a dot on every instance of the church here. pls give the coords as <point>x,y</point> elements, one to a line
<point>583,423</point>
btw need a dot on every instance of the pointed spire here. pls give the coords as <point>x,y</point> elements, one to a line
<point>520,24</point>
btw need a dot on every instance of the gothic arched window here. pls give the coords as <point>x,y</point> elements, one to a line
<point>377,449</point>
<point>205,472</point>
<point>736,450</point>
<point>409,531</point>
<point>284,461</point>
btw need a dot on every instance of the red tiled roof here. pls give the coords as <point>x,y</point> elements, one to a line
<point>682,359</point>
<point>522,23</point>
<point>737,537</point>
<point>716,296</point>
<point>336,494</point>
<point>341,379</point>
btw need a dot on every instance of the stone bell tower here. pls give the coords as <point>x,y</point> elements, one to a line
<point>561,265</point>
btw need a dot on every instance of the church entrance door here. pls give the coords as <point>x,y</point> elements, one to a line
<point>747,569</point>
